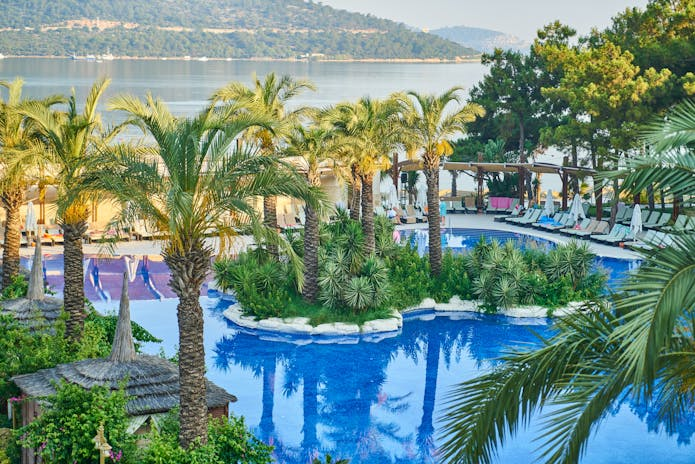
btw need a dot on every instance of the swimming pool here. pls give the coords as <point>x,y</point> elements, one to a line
<point>379,402</point>
<point>372,401</point>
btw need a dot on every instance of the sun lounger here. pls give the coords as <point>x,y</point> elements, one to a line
<point>617,233</point>
<point>622,214</point>
<point>514,214</point>
<point>405,218</point>
<point>411,212</point>
<point>565,222</point>
<point>469,205</point>
<point>678,225</point>
<point>535,214</point>
<point>140,231</point>
<point>597,227</point>
<point>581,226</point>
<point>661,221</point>
<point>527,214</point>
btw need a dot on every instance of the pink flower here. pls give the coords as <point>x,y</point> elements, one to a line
<point>115,457</point>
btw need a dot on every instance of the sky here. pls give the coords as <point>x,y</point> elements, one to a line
<point>521,18</point>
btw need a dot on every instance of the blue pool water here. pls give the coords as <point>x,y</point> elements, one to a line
<point>379,402</point>
<point>376,401</point>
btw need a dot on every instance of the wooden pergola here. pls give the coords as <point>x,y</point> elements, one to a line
<point>480,168</point>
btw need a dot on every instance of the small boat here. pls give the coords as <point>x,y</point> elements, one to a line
<point>203,58</point>
<point>187,58</point>
<point>106,57</point>
<point>2,57</point>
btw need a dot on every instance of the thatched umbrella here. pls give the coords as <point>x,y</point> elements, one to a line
<point>36,311</point>
<point>152,382</point>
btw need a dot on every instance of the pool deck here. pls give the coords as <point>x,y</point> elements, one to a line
<point>486,221</point>
<point>470,221</point>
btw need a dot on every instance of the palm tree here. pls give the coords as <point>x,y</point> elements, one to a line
<point>269,99</point>
<point>318,147</point>
<point>191,182</point>
<point>432,120</point>
<point>643,346</point>
<point>21,152</point>
<point>374,131</point>
<point>71,139</point>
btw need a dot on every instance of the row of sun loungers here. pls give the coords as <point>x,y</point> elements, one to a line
<point>600,231</point>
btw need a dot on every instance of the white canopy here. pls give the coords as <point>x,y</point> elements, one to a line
<point>30,223</point>
<point>636,221</point>
<point>421,195</point>
<point>577,210</point>
<point>393,196</point>
<point>549,209</point>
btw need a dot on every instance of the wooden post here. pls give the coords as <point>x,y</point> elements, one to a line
<point>479,199</point>
<point>563,177</point>
<point>394,170</point>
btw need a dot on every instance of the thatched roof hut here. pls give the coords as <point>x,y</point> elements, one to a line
<point>36,311</point>
<point>152,382</point>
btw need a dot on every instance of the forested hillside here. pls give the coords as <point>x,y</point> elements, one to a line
<point>213,28</point>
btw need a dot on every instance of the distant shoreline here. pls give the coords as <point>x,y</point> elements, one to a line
<point>471,59</point>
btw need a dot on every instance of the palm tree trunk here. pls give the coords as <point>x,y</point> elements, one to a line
<point>11,201</point>
<point>356,198</point>
<point>270,219</point>
<point>454,186</point>
<point>73,272</point>
<point>368,213</point>
<point>189,265</point>
<point>435,242</point>
<point>311,255</point>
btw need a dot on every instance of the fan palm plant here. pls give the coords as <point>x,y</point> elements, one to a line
<point>432,120</point>
<point>374,130</point>
<point>71,141</point>
<point>318,147</point>
<point>270,99</point>
<point>643,347</point>
<point>21,153</point>
<point>192,182</point>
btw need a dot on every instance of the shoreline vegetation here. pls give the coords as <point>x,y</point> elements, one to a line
<point>458,60</point>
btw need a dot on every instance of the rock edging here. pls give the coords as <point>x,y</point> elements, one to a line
<point>456,304</point>
<point>301,326</point>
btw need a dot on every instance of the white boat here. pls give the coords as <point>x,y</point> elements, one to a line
<point>187,58</point>
<point>106,57</point>
<point>203,58</point>
<point>2,57</point>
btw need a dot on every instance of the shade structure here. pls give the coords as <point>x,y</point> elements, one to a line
<point>151,383</point>
<point>30,224</point>
<point>577,210</point>
<point>549,209</point>
<point>636,221</point>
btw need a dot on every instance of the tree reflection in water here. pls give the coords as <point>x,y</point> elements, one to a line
<point>348,408</point>
<point>375,402</point>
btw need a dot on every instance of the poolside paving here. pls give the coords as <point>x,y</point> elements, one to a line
<point>470,221</point>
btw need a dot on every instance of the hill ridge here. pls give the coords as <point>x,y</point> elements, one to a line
<point>214,28</point>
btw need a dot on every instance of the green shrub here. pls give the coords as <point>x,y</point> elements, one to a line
<point>17,288</point>
<point>23,351</point>
<point>229,441</point>
<point>573,259</point>
<point>69,421</point>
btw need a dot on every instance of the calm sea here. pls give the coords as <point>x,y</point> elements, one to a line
<point>186,85</point>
